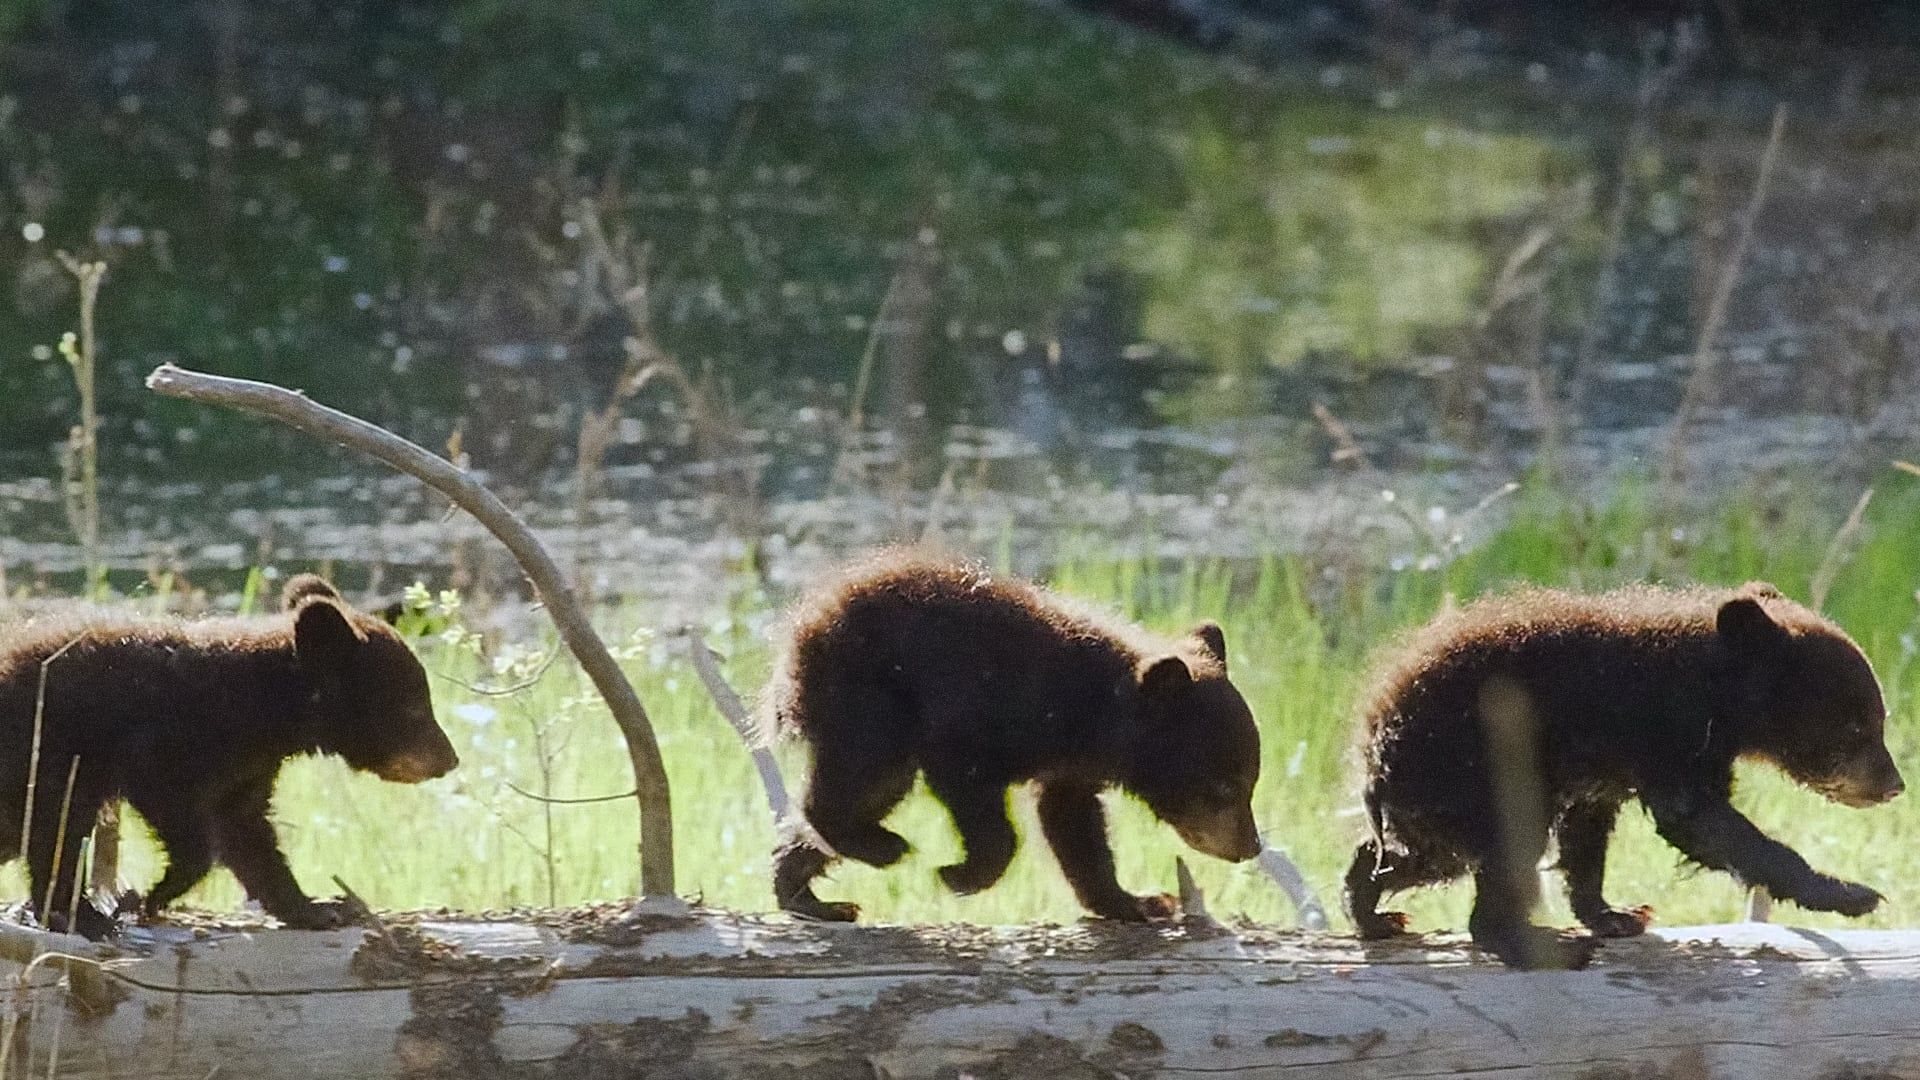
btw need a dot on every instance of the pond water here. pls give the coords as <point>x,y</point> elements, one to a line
<point>997,273</point>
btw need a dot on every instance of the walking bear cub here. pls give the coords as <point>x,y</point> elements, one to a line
<point>189,721</point>
<point>913,664</point>
<point>1543,711</point>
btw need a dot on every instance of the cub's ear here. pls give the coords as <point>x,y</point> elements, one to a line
<point>1167,674</point>
<point>1214,640</point>
<point>301,586</point>
<point>324,639</point>
<point>1764,590</point>
<point>1746,626</point>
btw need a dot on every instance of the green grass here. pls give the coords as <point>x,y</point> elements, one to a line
<point>1300,632</point>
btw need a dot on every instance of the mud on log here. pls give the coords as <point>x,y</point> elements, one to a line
<point>720,996</point>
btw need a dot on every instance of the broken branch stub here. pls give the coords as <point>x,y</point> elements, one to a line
<point>295,410</point>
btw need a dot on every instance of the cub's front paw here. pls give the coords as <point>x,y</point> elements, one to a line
<point>1619,922</point>
<point>1125,907</point>
<point>89,922</point>
<point>316,915</point>
<point>1839,897</point>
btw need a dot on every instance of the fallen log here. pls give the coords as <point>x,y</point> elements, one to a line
<point>714,995</point>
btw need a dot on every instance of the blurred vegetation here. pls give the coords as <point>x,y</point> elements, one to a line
<point>372,201</point>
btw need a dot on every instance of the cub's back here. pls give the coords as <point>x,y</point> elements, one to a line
<point>102,666</point>
<point>908,608</point>
<point>1569,651</point>
<point>934,629</point>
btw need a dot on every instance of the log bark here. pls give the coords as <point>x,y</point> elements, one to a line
<point>715,996</point>
<point>294,409</point>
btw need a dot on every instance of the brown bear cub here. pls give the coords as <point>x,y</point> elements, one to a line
<point>913,664</point>
<point>189,721</point>
<point>1541,712</point>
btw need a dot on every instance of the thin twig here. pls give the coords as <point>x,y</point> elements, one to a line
<point>576,630</point>
<point>60,843</point>
<point>508,690</point>
<point>1193,902</point>
<point>33,755</point>
<point>1346,448</point>
<point>1306,905</point>
<point>362,911</point>
<point>580,801</point>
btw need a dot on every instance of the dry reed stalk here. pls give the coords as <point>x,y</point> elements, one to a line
<point>1698,380</point>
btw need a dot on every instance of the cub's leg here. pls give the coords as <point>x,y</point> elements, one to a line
<point>188,841</point>
<point>979,811</point>
<point>1075,825</point>
<point>1369,878</point>
<point>848,795</point>
<point>53,861</point>
<point>1708,830</point>
<point>245,841</point>
<point>1583,831</point>
<point>1505,892</point>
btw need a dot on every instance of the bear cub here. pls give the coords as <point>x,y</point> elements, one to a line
<point>915,664</point>
<point>189,721</point>
<point>1541,712</point>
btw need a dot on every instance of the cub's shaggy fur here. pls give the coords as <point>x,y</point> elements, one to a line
<point>1543,711</point>
<point>913,664</point>
<point>190,721</point>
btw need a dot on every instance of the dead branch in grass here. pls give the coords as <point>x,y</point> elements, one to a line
<point>581,800</point>
<point>643,750</point>
<point>731,707</point>
<point>1699,380</point>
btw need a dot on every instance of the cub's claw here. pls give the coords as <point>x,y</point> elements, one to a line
<point>1620,922</point>
<point>318,915</point>
<point>1840,897</point>
<point>1380,925</point>
<point>1155,907</point>
<point>1535,948</point>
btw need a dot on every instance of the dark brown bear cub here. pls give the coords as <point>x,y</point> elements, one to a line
<point>189,722</point>
<point>917,665</point>
<point>1543,711</point>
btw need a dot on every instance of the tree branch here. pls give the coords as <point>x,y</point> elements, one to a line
<point>731,707</point>
<point>293,408</point>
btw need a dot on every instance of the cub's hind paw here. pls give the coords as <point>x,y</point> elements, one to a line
<point>1379,925</point>
<point>89,922</point>
<point>1620,922</point>
<point>966,879</point>
<point>1535,948</point>
<point>1125,907</point>
<point>813,909</point>
<point>828,911</point>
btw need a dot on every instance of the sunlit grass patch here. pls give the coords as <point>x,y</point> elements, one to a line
<point>1299,637</point>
